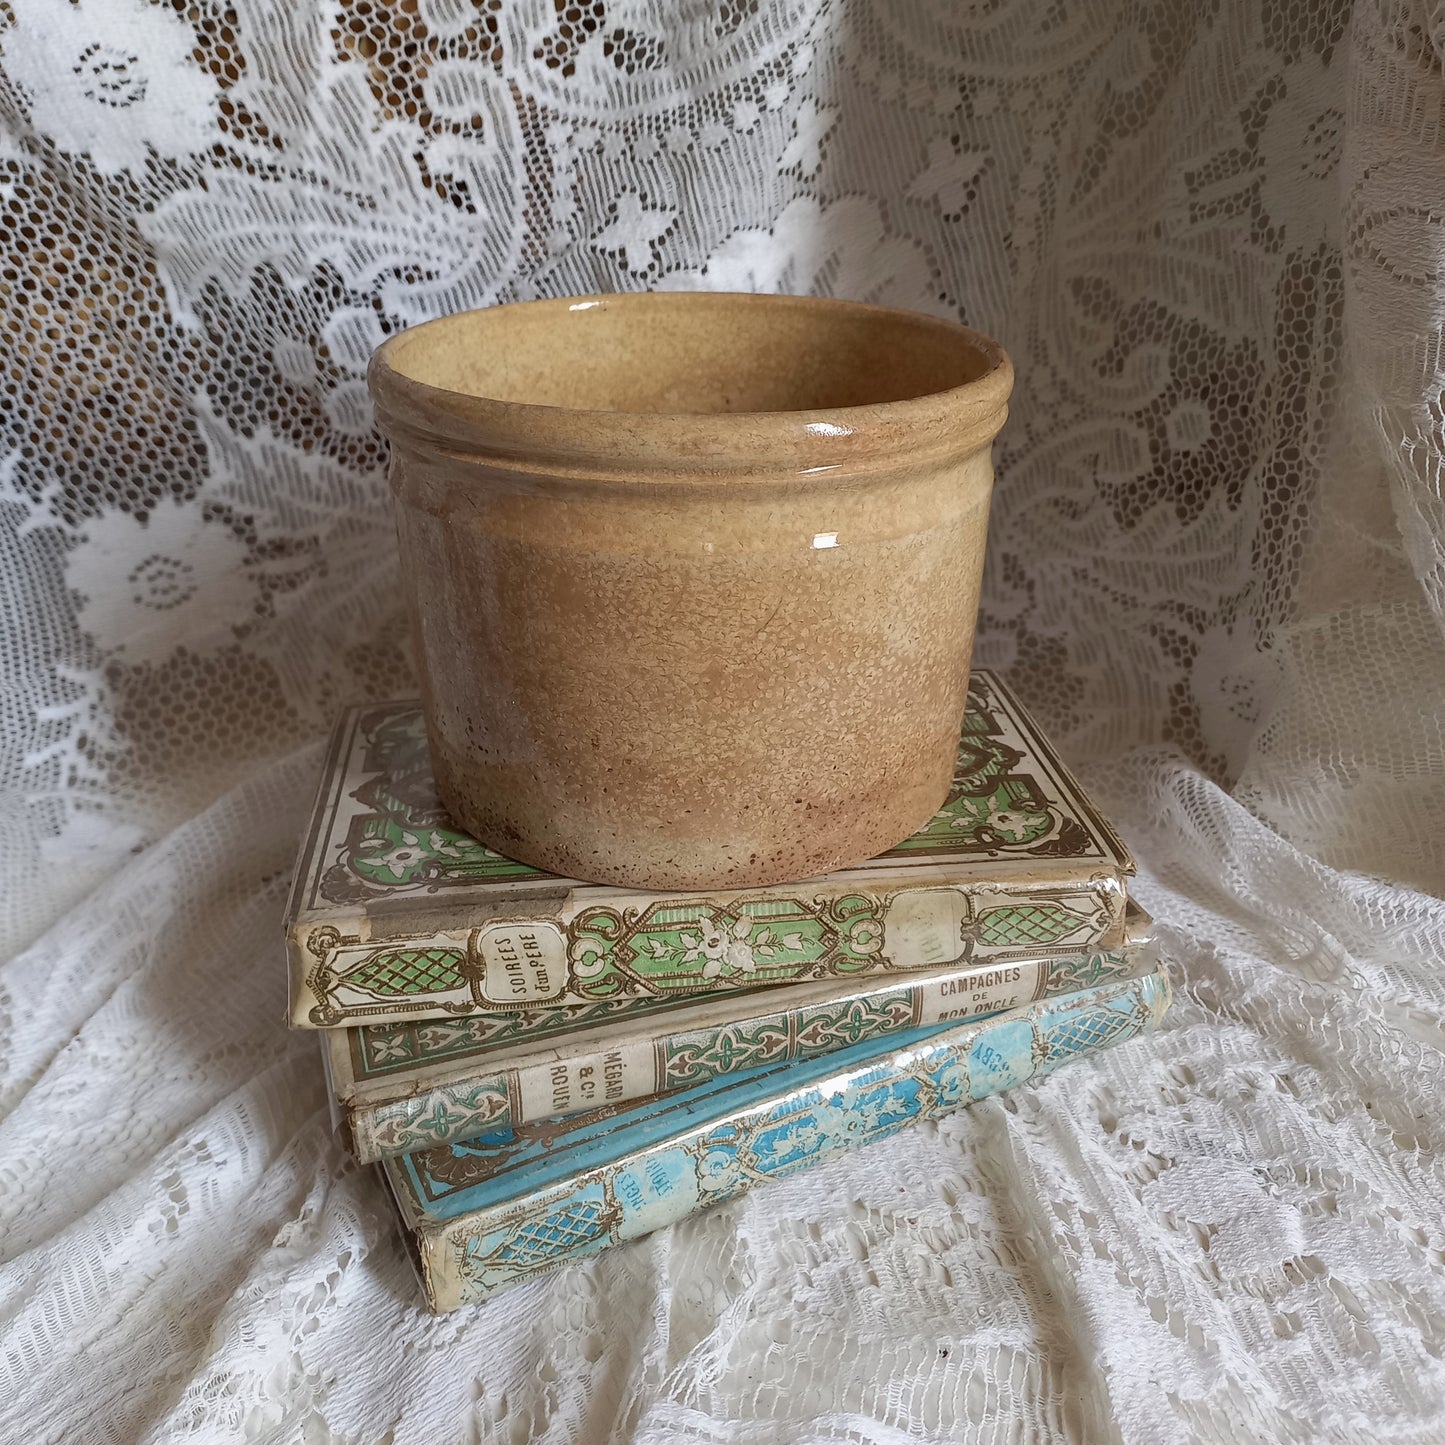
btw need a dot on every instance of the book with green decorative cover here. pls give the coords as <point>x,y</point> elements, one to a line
<point>408,1086</point>
<point>508,1206</point>
<point>396,915</point>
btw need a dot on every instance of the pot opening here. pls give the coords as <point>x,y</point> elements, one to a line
<point>696,353</point>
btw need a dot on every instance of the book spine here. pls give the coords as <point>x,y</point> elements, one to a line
<point>466,1259</point>
<point>670,946</point>
<point>570,1075</point>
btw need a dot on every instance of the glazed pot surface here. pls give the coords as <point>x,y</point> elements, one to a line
<point>693,577</point>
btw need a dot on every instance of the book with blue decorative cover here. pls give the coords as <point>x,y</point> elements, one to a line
<point>406,1086</point>
<point>513,1204</point>
<point>396,915</point>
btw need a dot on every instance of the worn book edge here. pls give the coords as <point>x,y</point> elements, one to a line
<point>921,921</point>
<point>615,1175</point>
<point>651,1048</point>
<point>435,952</point>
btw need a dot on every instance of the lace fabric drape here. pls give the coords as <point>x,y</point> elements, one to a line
<point>1210,237</point>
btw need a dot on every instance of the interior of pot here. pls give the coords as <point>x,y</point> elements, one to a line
<point>696,352</point>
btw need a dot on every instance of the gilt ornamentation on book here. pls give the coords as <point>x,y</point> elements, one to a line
<point>508,1206</point>
<point>408,1086</point>
<point>396,915</point>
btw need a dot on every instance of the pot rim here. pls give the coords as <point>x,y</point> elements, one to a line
<point>546,439</point>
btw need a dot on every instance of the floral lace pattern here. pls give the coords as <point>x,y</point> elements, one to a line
<point>1209,237</point>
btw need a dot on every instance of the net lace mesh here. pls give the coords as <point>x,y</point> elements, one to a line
<point>1210,237</point>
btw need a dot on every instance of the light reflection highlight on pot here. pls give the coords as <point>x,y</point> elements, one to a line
<point>825,539</point>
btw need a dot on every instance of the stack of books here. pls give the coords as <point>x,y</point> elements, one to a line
<point>543,1068</point>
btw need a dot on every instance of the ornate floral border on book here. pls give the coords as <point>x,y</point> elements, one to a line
<point>1006,802</point>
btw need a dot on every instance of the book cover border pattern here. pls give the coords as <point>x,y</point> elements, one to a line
<point>473,1254</point>
<point>448,1110</point>
<point>1012,797</point>
<point>667,950</point>
<point>390,850</point>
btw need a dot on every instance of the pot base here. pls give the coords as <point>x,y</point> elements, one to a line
<point>625,856</point>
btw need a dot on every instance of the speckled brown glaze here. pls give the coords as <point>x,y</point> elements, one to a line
<point>693,576</point>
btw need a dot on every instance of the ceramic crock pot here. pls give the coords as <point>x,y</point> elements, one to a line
<point>693,576</point>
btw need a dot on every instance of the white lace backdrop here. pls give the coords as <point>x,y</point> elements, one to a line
<point>1211,237</point>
